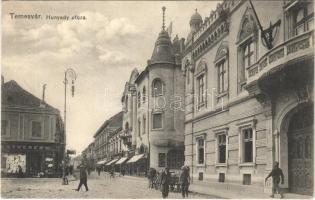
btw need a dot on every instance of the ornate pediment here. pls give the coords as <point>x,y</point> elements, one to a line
<point>248,25</point>
<point>201,67</point>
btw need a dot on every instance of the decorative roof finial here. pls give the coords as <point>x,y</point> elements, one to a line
<point>196,10</point>
<point>163,25</point>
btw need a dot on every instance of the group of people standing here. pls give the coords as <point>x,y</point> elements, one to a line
<point>163,181</point>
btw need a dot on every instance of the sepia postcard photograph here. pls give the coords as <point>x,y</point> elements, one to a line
<point>157,99</point>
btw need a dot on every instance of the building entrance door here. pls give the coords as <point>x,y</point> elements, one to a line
<point>300,147</point>
<point>35,163</point>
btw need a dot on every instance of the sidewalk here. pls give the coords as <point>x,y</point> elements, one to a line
<point>231,194</point>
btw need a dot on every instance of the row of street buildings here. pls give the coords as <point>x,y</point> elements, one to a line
<point>228,101</point>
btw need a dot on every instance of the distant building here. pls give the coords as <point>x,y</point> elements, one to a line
<point>32,134</point>
<point>249,95</point>
<point>153,103</point>
<point>108,144</point>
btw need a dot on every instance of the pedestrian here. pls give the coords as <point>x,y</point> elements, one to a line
<point>64,173</point>
<point>276,174</point>
<point>184,181</point>
<point>83,178</point>
<point>165,182</point>
<point>20,172</point>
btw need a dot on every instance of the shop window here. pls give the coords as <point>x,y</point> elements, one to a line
<point>222,148</point>
<point>36,129</point>
<point>175,159</point>
<point>221,177</point>
<point>247,144</point>
<point>157,121</point>
<point>201,151</point>
<point>247,179</point>
<point>162,160</point>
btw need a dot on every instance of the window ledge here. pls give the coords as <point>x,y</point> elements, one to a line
<point>221,165</point>
<point>222,94</point>
<point>249,164</point>
<point>201,165</point>
<point>157,129</point>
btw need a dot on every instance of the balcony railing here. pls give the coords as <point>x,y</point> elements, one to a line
<point>291,49</point>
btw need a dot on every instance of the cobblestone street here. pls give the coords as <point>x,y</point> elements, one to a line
<point>99,187</point>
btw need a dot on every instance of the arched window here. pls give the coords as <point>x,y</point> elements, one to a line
<point>139,99</point>
<point>247,39</point>
<point>201,76</point>
<point>157,88</point>
<point>126,103</point>
<point>144,94</point>
<point>221,62</point>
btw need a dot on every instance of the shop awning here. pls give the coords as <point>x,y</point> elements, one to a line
<point>121,160</point>
<point>111,162</point>
<point>101,162</point>
<point>135,158</point>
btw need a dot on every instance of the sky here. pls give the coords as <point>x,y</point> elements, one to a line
<point>103,49</point>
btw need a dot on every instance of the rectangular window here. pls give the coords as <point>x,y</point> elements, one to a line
<point>201,151</point>
<point>247,144</point>
<point>162,160</point>
<point>139,99</point>
<point>4,127</point>
<point>222,77</point>
<point>200,177</point>
<point>247,59</point>
<point>247,179</point>
<point>36,129</point>
<point>144,124</point>
<point>201,89</point>
<point>221,177</point>
<point>175,159</point>
<point>157,121</point>
<point>222,148</point>
<point>139,127</point>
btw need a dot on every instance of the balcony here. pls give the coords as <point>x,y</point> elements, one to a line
<point>294,49</point>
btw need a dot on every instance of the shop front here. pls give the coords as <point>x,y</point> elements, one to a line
<point>30,160</point>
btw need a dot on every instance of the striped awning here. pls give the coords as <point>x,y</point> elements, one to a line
<point>101,162</point>
<point>135,158</point>
<point>111,162</point>
<point>121,160</point>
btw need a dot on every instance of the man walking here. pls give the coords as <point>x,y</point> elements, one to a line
<point>83,178</point>
<point>165,182</point>
<point>276,174</point>
<point>184,180</point>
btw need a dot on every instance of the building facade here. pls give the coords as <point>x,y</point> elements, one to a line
<point>32,134</point>
<point>108,143</point>
<point>249,94</point>
<point>153,107</point>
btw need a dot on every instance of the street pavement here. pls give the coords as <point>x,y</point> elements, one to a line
<point>99,187</point>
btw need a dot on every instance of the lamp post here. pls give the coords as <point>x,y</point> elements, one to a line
<point>69,74</point>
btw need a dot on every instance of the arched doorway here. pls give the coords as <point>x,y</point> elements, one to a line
<point>300,151</point>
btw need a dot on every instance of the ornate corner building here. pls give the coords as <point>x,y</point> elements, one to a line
<point>249,94</point>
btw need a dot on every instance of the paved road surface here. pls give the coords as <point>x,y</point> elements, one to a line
<point>99,187</point>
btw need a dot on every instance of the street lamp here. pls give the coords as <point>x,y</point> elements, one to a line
<point>69,74</point>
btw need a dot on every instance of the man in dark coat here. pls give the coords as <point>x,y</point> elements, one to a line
<point>184,180</point>
<point>165,182</point>
<point>83,178</point>
<point>276,174</point>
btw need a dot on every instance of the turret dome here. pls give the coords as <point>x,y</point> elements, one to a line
<point>195,19</point>
<point>163,50</point>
